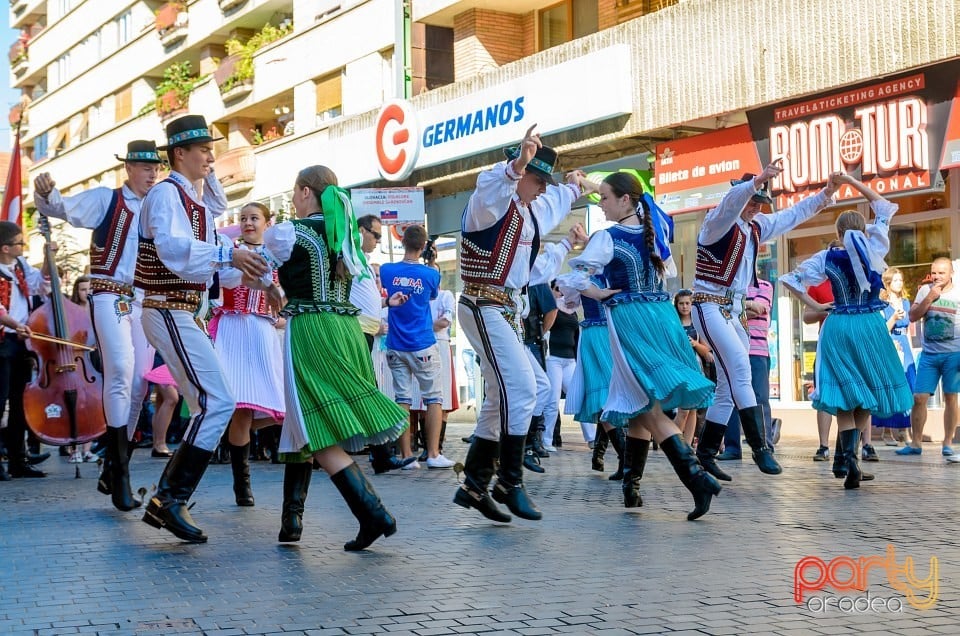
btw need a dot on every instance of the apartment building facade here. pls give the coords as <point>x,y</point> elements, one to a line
<point>650,85</point>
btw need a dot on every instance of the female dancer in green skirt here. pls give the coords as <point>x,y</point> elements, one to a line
<point>332,402</point>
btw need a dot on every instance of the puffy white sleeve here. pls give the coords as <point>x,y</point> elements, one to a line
<point>230,277</point>
<point>548,262</point>
<point>878,232</point>
<point>489,202</point>
<point>773,225</point>
<point>86,209</point>
<point>553,205</point>
<point>720,219</point>
<point>595,256</point>
<point>163,220</point>
<point>278,242</point>
<point>214,198</point>
<point>809,273</point>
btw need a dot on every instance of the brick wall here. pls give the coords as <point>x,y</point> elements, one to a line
<point>486,40</point>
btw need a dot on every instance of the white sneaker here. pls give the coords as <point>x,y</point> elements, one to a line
<point>953,459</point>
<point>76,458</point>
<point>439,462</point>
<point>549,449</point>
<point>414,465</point>
<point>90,457</point>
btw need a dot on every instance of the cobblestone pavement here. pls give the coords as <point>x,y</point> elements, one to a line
<point>73,564</point>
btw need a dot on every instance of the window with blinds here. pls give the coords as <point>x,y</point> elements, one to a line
<point>123,103</point>
<point>329,96</point>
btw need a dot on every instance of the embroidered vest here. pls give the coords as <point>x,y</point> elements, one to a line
<point>848,297</point>
<point>7,283</point>
<point>630,270</point>
<point>486,255</point>
<point>151,274</point>
<point>718,262</point>
<point>110,237</point>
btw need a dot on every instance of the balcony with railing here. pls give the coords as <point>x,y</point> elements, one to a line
<point>172,23</point>
<point>236,170</point>
<point>23,12</point>
<point>19,57</point>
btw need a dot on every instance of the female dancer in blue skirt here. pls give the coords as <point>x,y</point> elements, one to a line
<point>591,377</point>
<point>858,370</point>
<point>654,368</point>
<point>332,401</point>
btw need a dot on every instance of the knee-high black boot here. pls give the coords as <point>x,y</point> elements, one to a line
<point>840,465</point>
<point>709,446</point>
<point>375,520</point>
<point>119,451</point>
<point>509,489</point>
<point>478,470</point>
<point>850,441</point>
<point>634,460</point>
<point>600,443</point>
<point>240,462</point>
<point>617,439</point>
<point>168,508</point>
<point>296,482</point>
<point>698,481</point>
<point>751,420</point>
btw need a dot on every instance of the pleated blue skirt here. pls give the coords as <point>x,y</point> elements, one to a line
<point>653,362</point>
<point>593,373</point>
<point>858,367</point>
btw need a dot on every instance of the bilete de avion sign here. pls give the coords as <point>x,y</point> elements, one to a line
<point>889,133</point>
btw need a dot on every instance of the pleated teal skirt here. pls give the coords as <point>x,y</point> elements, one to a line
<point>858,367</point>
<point>595,364</point>
<point>653,359</point>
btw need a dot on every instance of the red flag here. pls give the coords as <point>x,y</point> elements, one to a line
<point>13,194</point>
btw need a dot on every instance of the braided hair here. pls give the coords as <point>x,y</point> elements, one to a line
<point>625,183</point>
<point>318,178</point>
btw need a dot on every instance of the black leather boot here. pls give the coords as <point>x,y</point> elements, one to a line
<point>617,439</point>
<point>168,508</point>
<point>600,443</point>
<point>240,462</point>
<point>839,467</point>
<point>751,420</point>
<point>850,441</point>
<point>535,436</point>
<point>709,446</point>
<point>119,451</point>
<point>509,488</point>
<point>385,461</point>
<point>634,460</point>
<point>365,504</point>
<point>698,481</point>
<point>478,470</point>
<point>296,482</point>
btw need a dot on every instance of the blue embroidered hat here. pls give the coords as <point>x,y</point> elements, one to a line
<point>142,151</point>
<point>762,196</point>
<point>542,163</point>
<point>186,130</point>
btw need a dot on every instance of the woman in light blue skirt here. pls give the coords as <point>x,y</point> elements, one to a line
<point>654,368</point>
<point>858,370</point>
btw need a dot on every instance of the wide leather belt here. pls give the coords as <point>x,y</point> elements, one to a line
<point>110,286</point>
<point>489,293</point>
<point>185,301</point>
<point>703,297</point>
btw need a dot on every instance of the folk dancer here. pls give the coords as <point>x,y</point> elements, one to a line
<point>727,248</point>
<point>177,257</point>
<point>115,307</point>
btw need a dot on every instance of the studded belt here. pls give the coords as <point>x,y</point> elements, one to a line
<point>106,285</point>
<point>185,301</point>
<point>490,294</point>
<point>725,303</point>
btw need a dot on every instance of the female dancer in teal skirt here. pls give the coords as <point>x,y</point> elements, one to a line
<point>654,368</point>
<point>858,370</point>
<point>332,402</point>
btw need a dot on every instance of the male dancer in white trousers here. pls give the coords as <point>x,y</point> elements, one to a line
<point>114,216</point>
<point>177,257</point>
<point>515,201</point>
<point>727,248</point>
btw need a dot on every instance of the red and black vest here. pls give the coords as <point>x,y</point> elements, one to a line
<point>486,255</point>
<point>151,274</point>
<point>7,283</point>
<point>243,300</point>
<point>718,262</point>
<point>110,237</point>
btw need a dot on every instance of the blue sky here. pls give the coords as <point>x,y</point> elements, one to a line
<point>8,95</point>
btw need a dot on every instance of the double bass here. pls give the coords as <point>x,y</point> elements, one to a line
<point>64,402</point>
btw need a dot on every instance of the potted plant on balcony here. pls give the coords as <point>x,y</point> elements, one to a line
<point>171,22</point>
<point>235,74</point>
<point>173,91</point>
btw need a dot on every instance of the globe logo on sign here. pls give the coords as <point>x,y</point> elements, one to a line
<point>851,146</point>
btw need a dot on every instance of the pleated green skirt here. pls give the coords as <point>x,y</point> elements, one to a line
<point>334,389</point>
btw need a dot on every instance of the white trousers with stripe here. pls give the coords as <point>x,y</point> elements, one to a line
<point>125,355</point>
<point>509,381</point>
<point>189,354</point>
<point>731,353</point>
